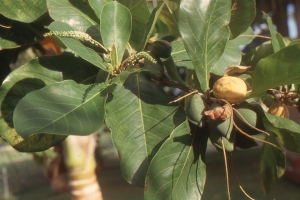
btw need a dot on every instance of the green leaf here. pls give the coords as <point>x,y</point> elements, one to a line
<point>250,115</point>
<point>97,5</point>
<point>140,15</point>
<point>84,52</point>
<point>71,67</point>
<point>277,40</point>
<point>272,164</point>
<point>258,53</point>
<point>216,139</point>
<point>173,71</point>
<point>287,131</point>
<point>281,68</point>
<point>115,27</point>
<point>243,13</point>
<point>18,83</point>
<point>140,118</point>
<point>169,16</point>
<point>23,11</point>
<point>64,108</point>
<point>178,170</point>
<point>12,37</point>
<point>180,56</point>
<point>150,25</point>
<point>294,42</point>
<point>245,37</point>
<point>232,55</point>
<point>79,15</point>
<point>203,28</point>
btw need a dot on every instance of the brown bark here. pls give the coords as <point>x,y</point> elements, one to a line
<point>81,164</point>
<point>297,15</point>
<point>279,10</point>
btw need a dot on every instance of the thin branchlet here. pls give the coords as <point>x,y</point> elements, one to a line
<point>226,169</point>
<point>249,123</point>
<point>237,180</point>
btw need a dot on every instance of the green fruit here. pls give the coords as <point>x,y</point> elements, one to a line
<point>221,127</point>
<point>216,140</point>
<point>244,142</point>
<point>154,70</point>
<point>250,115</point>
<point>161,48</point>
<point>195,107</point>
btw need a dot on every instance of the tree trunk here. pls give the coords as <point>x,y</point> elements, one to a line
<point>297,15</point>
<point>279,10</point>
<point>81,164</point>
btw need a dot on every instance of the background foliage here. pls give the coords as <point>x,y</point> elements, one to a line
<point>120,64</point>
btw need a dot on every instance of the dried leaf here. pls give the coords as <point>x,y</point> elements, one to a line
<point>234,70</point>
<point>219,113</point>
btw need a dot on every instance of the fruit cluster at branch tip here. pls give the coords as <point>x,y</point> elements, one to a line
<point>230,88</point>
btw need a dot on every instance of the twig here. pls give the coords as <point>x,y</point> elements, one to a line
<point>226,169</point>
<point>249,136</point>
<point>258,36</point>
<point>181,60</point>
<point>237,180</point>
<point>190,93</point>
<point>250,124</point>
<point>5,26</point>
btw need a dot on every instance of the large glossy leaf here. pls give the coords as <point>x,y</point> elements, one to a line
<point>150,25</point>
<point>78,14</point>
<point>203,28</point>
<point>84,52</point>
<point>23,11</point>
<point>97,5</point>
<point>140,15</point>
<point>140,118</point>
<point>277,39</point>
<point>281,68</point>
<point>272,164</point>
<point>115,27</point>
<point>12,37</point>
<point>232,55</point>
<point>178,170</point>
<point>243,13</point>
<point>64,108</point>
<point>245,37</point>
<point>18,83</point>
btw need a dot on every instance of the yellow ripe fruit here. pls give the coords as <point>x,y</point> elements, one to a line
<point>230,88</point>
<point>279,109</point>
